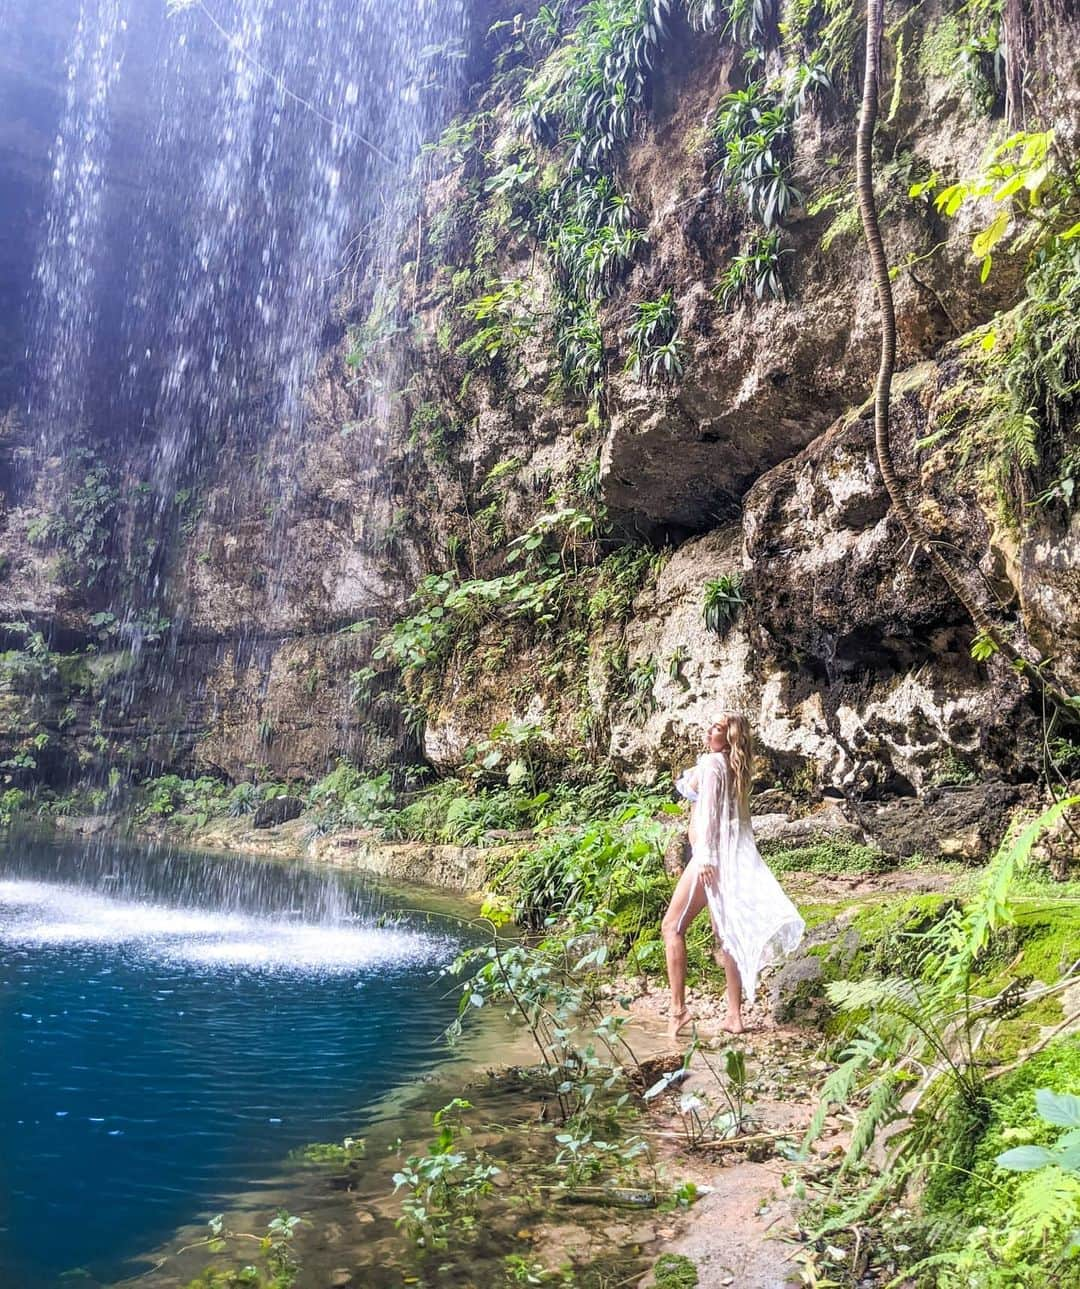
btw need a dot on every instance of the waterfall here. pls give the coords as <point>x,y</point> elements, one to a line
<point>66,272</point>
<point>213,170</point>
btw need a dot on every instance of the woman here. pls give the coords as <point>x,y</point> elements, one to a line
<point>752,919</point>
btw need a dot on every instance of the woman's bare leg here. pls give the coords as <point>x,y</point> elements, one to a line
<point>687,901</point>
<point>733,1020</point>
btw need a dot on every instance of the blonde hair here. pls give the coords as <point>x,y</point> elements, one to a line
<point>740,751</point>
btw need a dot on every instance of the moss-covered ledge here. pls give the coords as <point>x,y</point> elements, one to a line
<point>462,870</point>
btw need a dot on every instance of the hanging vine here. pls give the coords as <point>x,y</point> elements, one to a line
<point>1036,669</point>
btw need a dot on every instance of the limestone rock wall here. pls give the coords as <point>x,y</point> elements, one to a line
<point>853,660</point>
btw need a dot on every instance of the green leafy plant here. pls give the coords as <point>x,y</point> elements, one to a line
<point>579,344</point>
<point>587,91</point>
<point>511,749</point>
<point>1032,187</point>
<point>752,130</point>
<point>655,347</point>
<point>641,685</point>
<point>380,326</point>
<point>430,425</point>
<point>755,274</point>
<point>1016,408</point>
<point>81,528</point>
<point>242,800</point>
<point>591,235</point>
<point>680,655</point>
<point>12,802</point>
<point>360,685</point>
<point>722,600</point>
<point>503,321</point>
<point>186,803</point>
<point>699,1119</point>
<point>1044,1218</point>
<point>444,1186</point>
<point>348,798</point>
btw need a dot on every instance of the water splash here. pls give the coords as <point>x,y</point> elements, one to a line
<point>36,915</point>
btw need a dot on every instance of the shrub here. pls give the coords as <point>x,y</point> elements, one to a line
<point>723,598</point>
<point>655,348</point>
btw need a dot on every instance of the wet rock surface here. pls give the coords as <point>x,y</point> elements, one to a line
<point>278,810</point>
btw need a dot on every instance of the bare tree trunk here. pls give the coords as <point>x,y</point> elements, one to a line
<point>1012,29</point>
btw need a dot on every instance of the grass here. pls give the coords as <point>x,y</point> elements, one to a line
<point>826,856</point>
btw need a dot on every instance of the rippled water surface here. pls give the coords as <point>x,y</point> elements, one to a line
<point>172,1026</point>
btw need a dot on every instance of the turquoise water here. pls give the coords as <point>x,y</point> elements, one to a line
<point>172,1026</point>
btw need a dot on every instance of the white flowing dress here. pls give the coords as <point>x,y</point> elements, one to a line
<point>751,916</point>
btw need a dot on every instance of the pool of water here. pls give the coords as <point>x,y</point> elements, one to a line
<point>173,1025</point>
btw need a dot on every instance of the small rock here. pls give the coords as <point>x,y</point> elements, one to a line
<point>340,1279</point>
<point>677,853</point>
<point>278,810</point>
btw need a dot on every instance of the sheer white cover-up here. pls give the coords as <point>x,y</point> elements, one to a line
<point>751,916</point>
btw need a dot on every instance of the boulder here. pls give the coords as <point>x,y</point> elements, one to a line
<point>956,822</point>
<point>278,810</point>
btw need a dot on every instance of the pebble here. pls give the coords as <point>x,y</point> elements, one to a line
<point>339,1279</point>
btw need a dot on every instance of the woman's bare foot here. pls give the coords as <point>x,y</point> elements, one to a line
<point>733,1024</point>
<point>678,1021</point>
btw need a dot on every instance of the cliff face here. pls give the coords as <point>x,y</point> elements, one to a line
<point>752,463</point>
<point>580,509</point>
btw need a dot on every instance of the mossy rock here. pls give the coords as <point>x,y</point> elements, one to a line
<point>828,856</point>
<point>891,930</point>
<point>675,1271</point>
<point>849,941</point>
<point>967,1179</point>
<point>1039,946</point>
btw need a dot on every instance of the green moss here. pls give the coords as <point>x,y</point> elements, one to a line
<point>815,915</point>
<point>107,667</point>
<point>825,855</point>
<point>73,671</point>
<point>890,932</point>
<point>1049,938</point>
<point>939,53</point>
<point>675,1271</point>
<point>972,1140</point>
<point>1040,946</point>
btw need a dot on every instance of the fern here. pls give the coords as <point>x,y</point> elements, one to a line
<point>1047,1209</point>
<point>880,1110</point>
<point>953,1258</point>
<point>836,1089</point>
<point>867,1199</point>
<point>990,908</point>
<point>889,994</point>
